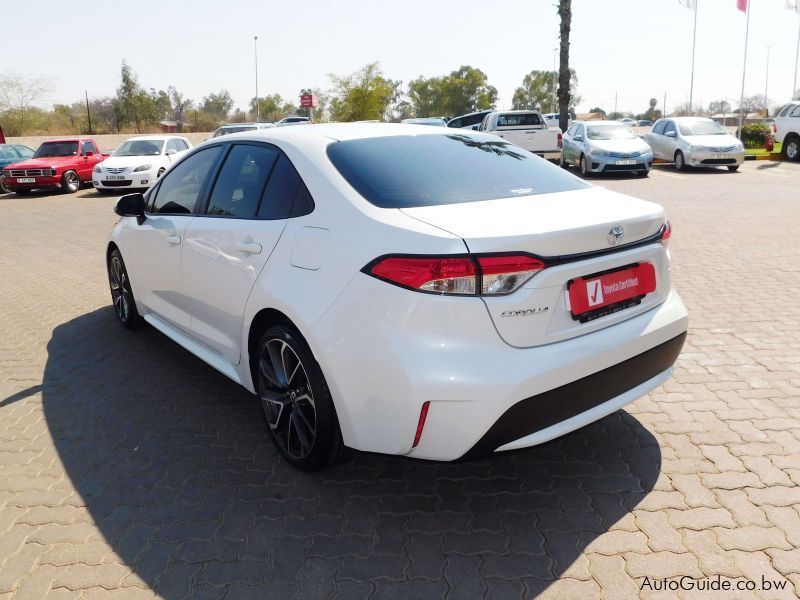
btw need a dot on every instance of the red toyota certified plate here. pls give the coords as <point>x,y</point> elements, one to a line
<point>590,294</point>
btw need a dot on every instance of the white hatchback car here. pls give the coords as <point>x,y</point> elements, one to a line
<point>401,289</point>
<point>139,162</point>
<point>694,142</point>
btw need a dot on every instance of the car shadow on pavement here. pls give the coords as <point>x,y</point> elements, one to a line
<point>175,467</point>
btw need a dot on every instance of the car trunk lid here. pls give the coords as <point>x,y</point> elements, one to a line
<point>576,233</point>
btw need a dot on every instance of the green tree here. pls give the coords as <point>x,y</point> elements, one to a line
<point>362,96</point>
<point>217,106</point>
<point>179,106</point>
<point>539,90</point>
<point>564,73</point>
<point>271,108</point>
<point>138,107</point>
<point>462,91</point>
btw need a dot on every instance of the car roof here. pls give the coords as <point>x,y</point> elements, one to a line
<point>337,132</point>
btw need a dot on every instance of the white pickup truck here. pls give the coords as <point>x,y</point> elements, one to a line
<point>787,130</point>
<point>526,129</point>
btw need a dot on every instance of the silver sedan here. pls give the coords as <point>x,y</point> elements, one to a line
<point>695,142</point>
<point>605,147</point>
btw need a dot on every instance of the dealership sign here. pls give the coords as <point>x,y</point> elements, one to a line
<point>308,101</point>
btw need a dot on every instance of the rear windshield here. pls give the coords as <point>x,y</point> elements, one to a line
<point>518,120</point>
<point>428,170</point>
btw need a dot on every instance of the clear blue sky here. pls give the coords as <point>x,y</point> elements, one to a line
<point>634,48</point>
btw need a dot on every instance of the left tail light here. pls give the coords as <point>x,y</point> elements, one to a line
<point>490,275</point>
<point>560,140</point>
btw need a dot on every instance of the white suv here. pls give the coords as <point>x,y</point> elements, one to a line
<point>401,289</point>
<point>787,130</point>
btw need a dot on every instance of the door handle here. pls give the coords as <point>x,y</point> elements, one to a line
<point>249,247</point>
<point>174,240</point>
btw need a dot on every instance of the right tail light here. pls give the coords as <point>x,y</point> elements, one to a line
<point>488,275</point>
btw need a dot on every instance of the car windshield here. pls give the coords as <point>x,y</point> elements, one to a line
<point>7,152</point>
<point>227,130</point>
<point>610,133</point>
<point>702,128</point>
<point>140,148</point>
<point>426,170</point>
<point>49,149</point>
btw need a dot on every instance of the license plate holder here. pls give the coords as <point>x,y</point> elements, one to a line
<point>115,177</point>
<point>604,293</point>
<point>626,162</point>
<point>723,156</point>
<point>26,179</point>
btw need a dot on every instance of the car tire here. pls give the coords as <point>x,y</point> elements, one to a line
<point>733,168</point>
<point>645,173</point>
<point>585,172</point>
<point>160,173</point>
<point>295,400</point>
<point>791,148</point>
<point>122,299</point>
<point>4,189</point>
<point>680,161</point>
<point>562,163</point>
<point>70,182</point>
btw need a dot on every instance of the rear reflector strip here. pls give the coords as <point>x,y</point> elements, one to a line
<point>423,414</point>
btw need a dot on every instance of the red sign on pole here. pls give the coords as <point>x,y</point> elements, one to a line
<point>308,101</point>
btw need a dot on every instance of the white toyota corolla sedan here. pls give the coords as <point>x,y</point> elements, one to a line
<point>139,162</point>
<point>401,289</point>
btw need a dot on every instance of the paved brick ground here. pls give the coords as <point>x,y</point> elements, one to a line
<point>128,469</point>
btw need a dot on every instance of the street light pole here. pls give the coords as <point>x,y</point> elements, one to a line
<point>255,43</point>
<point>796,56</point>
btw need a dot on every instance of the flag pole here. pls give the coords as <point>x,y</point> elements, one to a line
<point>796,56</point>
<point>694,43</point>
<point>744,71</point>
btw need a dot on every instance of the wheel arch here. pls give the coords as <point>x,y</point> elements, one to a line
<point>263,320</point>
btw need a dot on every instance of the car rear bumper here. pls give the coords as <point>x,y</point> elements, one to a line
<point>540,418</point>
<point>402,349</point>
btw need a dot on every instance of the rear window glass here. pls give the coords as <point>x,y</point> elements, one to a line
<point>428,170</point>
<point>518,120</point>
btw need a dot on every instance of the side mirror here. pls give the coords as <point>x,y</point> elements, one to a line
<point>577,138</point>
<point>171,151</point>
<point>476,128</point>
<point>131,205</point>
<point>671,134</point>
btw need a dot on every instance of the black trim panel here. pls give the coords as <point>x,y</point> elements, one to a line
<point>554,406</point>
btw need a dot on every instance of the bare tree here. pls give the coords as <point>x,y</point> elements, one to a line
<point>17,95</point>
<point>564,97</point>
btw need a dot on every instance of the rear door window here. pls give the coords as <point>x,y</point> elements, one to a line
<point>241,181</point>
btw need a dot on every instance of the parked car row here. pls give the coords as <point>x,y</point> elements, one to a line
<point>66,164</point>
